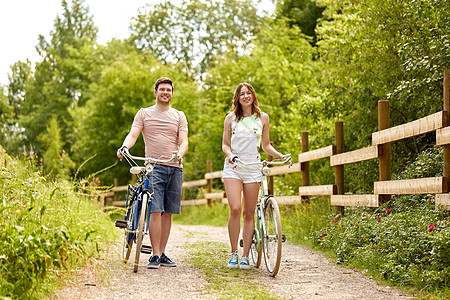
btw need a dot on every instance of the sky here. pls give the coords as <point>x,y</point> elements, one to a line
<point>22,21</point>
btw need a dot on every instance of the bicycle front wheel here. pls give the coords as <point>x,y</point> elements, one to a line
<point>256,249</point>
<point>272,238</point>
<point>129,232</point>
<point>140,231</point>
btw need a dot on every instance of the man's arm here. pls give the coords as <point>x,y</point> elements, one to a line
<point>183,145</point>
<point>130,140</point>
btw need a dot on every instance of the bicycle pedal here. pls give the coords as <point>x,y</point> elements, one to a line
<point>147,249</point>
<point>241,243</point>
<point>283,238</point>
<point>121,223</point>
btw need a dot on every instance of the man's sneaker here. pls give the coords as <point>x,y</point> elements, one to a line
<point>245,264</point>
<point>233,262</point>
<point>155,261</point>
<point>167,262</point>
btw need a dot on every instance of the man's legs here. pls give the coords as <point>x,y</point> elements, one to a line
<point>166,225</point>
<point>155,232</point>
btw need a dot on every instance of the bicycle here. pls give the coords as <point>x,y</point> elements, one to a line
<point>136,220</point>
<point>267,236</point>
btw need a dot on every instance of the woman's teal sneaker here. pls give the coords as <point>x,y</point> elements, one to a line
<point>245,264</point>
<point>233,262</point>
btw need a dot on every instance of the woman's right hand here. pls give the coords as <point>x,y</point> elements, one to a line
<point>231,158</point>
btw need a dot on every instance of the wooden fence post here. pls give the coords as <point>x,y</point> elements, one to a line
<point>384,157</point>
<point>304,166</point>
<point>209,181</point>
<point>339,169</point>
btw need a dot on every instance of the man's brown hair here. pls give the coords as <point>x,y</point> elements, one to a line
<point>163,80</point>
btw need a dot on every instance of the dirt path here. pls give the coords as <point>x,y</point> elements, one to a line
<point>304,274</point>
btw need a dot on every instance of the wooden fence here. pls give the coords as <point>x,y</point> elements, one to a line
<point>380,149</point>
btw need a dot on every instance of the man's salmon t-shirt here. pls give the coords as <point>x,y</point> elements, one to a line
<point>160,130</point>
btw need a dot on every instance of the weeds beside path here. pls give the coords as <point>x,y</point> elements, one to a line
<point>201,253</point>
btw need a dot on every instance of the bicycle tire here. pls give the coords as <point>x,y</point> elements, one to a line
<point>140,234</point>
<point>256,255</point>
<point>272,239</point>
<point>129,234</point>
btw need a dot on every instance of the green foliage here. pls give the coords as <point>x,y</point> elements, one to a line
<point>302,13</point>
<point>45,229</point>
<point>63,75</point>
<point>195,32</point>
<point>406,241</point>
<point>378,49</point>
<point>56,161</point>
<point>300,221</point>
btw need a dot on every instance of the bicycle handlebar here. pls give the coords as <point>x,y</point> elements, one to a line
<point>125,152</point>
<point>265,162</point>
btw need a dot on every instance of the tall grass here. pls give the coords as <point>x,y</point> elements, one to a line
<point>46,229</point>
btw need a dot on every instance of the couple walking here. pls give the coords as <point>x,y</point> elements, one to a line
<point>165,129</point>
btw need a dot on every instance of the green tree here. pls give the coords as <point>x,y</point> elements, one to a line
<point>57,162</point>
<point>19,80</point>
<point>375,50</point>
<point>302,13</point>
<point>194,32</point>
<point>64,74</point>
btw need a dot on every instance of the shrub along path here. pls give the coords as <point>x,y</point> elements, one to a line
<point>201,253</point>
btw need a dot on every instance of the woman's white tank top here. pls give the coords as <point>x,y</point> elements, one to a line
<point>246,137</point>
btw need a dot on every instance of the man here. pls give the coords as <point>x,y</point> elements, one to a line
<point>164,130</point>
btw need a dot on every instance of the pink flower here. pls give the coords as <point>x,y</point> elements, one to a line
<point>373,249</point>
<point>360,237</point>
<point>323,234</point>
<point>379,219</point>
<point>388,211</point>
<point>31,153</point>
<point>431,227</point>
<point>335,221</point>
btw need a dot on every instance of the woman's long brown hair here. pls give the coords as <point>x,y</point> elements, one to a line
<point>237,107</point>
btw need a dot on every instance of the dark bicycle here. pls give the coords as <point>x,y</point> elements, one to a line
<point>137,206</point>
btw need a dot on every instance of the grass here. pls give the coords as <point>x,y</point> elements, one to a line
<point>224,283</point>
<point>214,215</point>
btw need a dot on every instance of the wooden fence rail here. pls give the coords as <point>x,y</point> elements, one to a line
<point>380,149</point>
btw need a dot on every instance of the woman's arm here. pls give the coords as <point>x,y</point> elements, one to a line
<point>226,147</point>
<point>265,141</point>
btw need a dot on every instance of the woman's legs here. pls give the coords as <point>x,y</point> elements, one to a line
<point>233,189</point>
<point>250,199</point>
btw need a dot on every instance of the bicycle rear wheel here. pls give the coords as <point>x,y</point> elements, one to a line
<point>256,249</point>
<point>140,230</point>
<point>272,239</point>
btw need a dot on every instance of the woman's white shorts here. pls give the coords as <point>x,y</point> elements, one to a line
<point>246,174</point>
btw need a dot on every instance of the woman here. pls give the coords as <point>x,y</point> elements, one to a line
<point>245,129</point>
